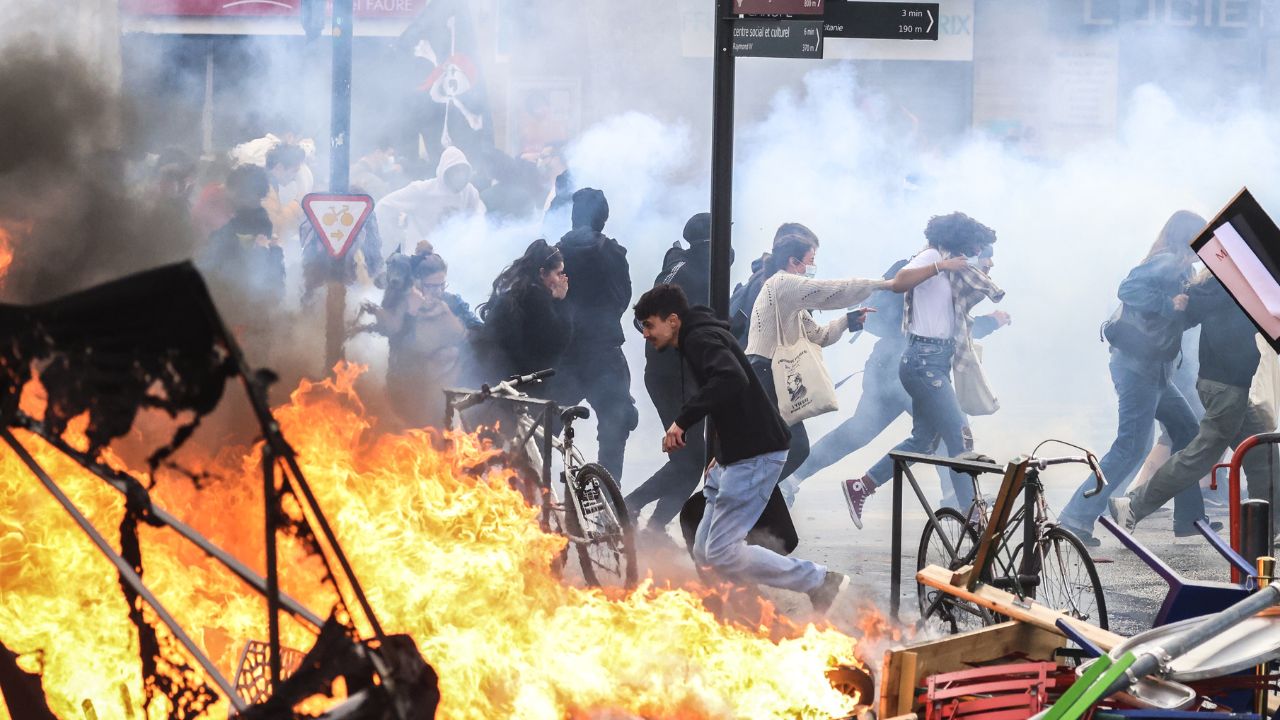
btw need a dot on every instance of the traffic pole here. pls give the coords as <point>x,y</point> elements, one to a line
<point>722,69</point>
<point>339,173</point>
<point>722,158</point>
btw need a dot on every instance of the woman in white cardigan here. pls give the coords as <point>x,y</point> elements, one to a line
<point>785,301</point>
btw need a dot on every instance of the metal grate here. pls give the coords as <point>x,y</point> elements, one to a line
<point>253,677</point>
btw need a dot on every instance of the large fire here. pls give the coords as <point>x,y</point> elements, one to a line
<point>457,562</point>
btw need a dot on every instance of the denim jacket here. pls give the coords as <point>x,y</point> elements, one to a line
<point>1151,287</point>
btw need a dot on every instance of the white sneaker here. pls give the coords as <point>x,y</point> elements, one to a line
<point>1122,512</point>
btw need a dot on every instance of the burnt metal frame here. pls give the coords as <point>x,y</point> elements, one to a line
<point>127,573</point>
<point>120,481</point>
<point>901,469</point>
<point>276,450</point>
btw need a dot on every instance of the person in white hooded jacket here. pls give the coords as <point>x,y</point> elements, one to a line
<point>410,215</point>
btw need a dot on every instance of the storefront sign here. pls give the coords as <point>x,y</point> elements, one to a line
<point>262,8</point>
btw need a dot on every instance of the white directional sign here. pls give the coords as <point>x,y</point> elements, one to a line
<point>337,219</point>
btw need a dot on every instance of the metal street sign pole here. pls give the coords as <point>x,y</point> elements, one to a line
<point>722,158</point>
<point>721,169</point>
<point>339,172</point>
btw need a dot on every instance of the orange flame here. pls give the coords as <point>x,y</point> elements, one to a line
<point>457,562</point>
<point>6,253</point>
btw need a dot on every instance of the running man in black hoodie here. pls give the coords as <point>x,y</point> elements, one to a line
<point>749,445</point>
<point>594,367</point>
<point>668,381</point>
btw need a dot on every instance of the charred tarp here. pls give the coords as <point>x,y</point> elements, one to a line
<point>155,340</point>
<point>151,340</point>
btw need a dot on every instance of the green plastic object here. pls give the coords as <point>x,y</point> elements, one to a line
<point>1078,688</point>
<point>1098,690</point>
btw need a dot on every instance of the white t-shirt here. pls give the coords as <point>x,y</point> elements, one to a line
<point>931,303</point>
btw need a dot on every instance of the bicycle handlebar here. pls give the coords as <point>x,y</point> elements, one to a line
<point>1088,459</point>
<point>505,387</point>
<point>518,380</point>
<point>1043,463</point>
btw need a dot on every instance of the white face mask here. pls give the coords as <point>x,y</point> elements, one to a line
<point>810,271</point>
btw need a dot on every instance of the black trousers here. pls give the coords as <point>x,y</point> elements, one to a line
<point>600,376</point>
<point>676,480</point>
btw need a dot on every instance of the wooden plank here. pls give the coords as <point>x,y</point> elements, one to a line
<point>1007,604</point>
<point>1010,494</point>
<point>955,652</point>
<point>907,680</point>
<point>891,671</point>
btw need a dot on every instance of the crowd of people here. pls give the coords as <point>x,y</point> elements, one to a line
<point>758,375</point>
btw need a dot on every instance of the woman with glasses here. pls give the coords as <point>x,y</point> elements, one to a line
<point>426,334</point>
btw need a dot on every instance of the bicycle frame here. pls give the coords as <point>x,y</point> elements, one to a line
<point>1021,477</point>
<point>902,475</point>
<point>536,442</point>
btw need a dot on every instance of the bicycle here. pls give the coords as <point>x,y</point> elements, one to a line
<point>595,520</point>
<point>1058,573</point>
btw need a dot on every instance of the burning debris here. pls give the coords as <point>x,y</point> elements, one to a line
<point>455,562</point>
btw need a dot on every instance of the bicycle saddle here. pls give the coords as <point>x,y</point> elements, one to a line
<point>577,412</point>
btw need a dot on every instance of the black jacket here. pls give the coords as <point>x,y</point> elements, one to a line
<point>1228,349</point>
<point>746,422</point>
<point>599,287</point>
<point>524,330</point>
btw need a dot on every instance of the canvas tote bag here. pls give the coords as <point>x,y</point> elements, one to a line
<point>800,378</point>
<point>972,392</point>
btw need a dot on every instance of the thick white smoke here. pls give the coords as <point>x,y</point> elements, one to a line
<point>1069,229</point>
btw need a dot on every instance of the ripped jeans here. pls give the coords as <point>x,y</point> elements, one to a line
<point>925,371</point>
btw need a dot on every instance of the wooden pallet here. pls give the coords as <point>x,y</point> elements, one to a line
<point>905,667</point>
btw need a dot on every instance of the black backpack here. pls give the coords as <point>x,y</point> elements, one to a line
<point>741,303</point>
<point>671,264</point>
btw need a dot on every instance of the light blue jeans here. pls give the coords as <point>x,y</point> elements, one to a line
<point>736,495</point>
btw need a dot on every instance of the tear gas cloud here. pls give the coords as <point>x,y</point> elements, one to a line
<point>823,143</point>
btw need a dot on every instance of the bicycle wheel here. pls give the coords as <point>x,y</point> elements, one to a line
<point>1068,579</point>
<point>607,550</point>
<point>957,615</point>
<point>528,482</point>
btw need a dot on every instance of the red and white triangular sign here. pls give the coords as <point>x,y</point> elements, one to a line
<point>337,219</point>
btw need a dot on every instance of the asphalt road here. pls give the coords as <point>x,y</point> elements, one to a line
<point>1133,590</point>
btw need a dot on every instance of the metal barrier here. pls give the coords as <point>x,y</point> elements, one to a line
<point>1233,488</point>
<point>901,468</point>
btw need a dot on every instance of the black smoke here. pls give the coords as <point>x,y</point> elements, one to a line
<point>65,195</point>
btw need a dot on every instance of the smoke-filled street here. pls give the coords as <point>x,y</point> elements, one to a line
<point>480,359</point>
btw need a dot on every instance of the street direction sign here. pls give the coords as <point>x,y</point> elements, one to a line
<point>337,219</point>
<point>778,7</point>
<point>881,20</point>
<point>800,39</point>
